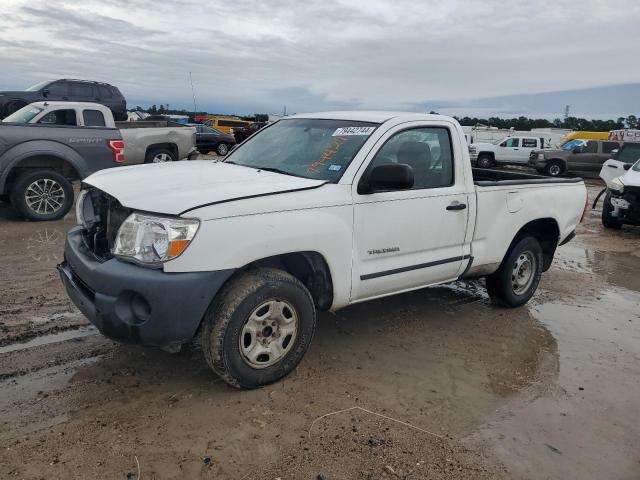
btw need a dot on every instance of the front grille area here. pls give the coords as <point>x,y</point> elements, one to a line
<point>100,235</point>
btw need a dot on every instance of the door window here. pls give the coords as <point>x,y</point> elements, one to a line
<point>529,143</point>
<point>81,90</point>
<point>58,89</point>
<point>426,150</point>
<point>60,117</point>
<point>93,118</point>
<point>591,147</point>
<point>607,147</point>
<point>510,142</point>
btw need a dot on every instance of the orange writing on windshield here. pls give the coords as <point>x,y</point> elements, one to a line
<point>314,167</point>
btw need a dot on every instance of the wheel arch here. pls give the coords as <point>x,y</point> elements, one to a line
<point>42,160</point>
<point>547,232</point>
<point>310,267</point>
<point>172,147</point>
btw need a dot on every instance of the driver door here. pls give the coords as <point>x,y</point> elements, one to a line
<point>406,239</point>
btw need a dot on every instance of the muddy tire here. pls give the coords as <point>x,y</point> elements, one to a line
<point>484,161</point>
<point>518,277</point>
<point>42,195</point>
<point>258,328</point>
<point>608,220</point>
<point>160,155</point>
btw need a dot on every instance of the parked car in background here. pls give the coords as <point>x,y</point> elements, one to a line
<point>511,150</point>
<point>209,139</point>
<point>583,136</point>
<point>576,155</point>
<point>314,213</point>
<point>47,145</point>
<point>242,133</point>
<point>66,90</point>
<point>621,174</point>
<point>224,124</point>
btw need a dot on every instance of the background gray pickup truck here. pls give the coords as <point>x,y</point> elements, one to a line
<point>576,155</point>
<point>38,163</point>
<point>46,145</point>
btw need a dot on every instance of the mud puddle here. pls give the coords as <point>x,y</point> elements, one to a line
<point>51,338</point>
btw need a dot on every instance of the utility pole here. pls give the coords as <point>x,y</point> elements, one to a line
<point>193,93</point>
<point>566,112</point>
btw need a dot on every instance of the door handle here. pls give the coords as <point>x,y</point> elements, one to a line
<point>457,206</point>
<point>516,149</point>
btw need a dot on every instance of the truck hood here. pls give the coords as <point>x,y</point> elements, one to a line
<point>176,187</point>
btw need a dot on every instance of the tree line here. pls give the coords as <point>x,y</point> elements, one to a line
<point>571,123</point>
<point>165,110</point>
<point>519,123</point>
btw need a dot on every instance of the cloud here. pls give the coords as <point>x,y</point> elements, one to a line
<point>248,56</point>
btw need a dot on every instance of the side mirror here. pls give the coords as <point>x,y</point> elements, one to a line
<point>45,92</point>
<point>627,166</point>
<point>392,176</point>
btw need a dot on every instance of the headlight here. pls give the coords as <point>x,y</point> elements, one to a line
<point>541,156</point>
<point>616,185</point>
<point>154,240</point>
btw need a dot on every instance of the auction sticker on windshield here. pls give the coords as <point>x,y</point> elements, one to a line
<point>345,131</point>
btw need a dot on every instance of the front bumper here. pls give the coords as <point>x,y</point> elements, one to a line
<point>135,304</point>
<point>626,206</point>
<point>538,164</point>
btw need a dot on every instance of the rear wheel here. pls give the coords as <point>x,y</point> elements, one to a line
<point>554,169</point>
<point>608,220</point>
<point>485,161</point>
<point>518,277</point>
<point>160,155</point>
<point>222,149</point>
<point>258,328</point>
<point>42,195</point>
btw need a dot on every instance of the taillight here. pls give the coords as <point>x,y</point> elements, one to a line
<point>117,147</point>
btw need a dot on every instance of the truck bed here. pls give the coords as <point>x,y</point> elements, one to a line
<point>485,177</point>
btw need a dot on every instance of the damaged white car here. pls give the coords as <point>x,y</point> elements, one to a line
<point>622,176</point>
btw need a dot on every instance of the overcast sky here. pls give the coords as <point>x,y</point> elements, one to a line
<point>258,55</point>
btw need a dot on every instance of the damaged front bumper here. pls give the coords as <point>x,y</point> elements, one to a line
<point>626,205</point>
<point>135,304</point>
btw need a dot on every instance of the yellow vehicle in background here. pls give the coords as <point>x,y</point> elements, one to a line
<point>226,124</point>
<point>583,136</point>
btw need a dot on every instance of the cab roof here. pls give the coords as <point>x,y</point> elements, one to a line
<point>370,116</point>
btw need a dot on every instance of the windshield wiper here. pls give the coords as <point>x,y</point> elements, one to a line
<point>277,170</point>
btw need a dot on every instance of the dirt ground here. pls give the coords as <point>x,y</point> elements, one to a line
<point>433,384</point>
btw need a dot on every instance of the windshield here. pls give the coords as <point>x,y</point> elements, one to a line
<point>310,148</point>
<point>38,86</point>
<point>24,115</point>
<point>573,144</point>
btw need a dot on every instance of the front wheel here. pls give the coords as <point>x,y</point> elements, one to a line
<point>42,195</point>
<point>518,277</point>
<point>485,161</point>
<point>554,169</point>
<point>258,328</point>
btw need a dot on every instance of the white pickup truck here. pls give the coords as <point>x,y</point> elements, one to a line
<point>314,212</point>
<point>510,150</point>
<point>144,142</point>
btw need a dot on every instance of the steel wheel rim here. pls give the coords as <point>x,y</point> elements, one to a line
<point>161,158</point>
<point>222,149</point>
<point>554,170</point>
<point>523,273</point>
<point>269,333</point>
<point>45,196</point>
